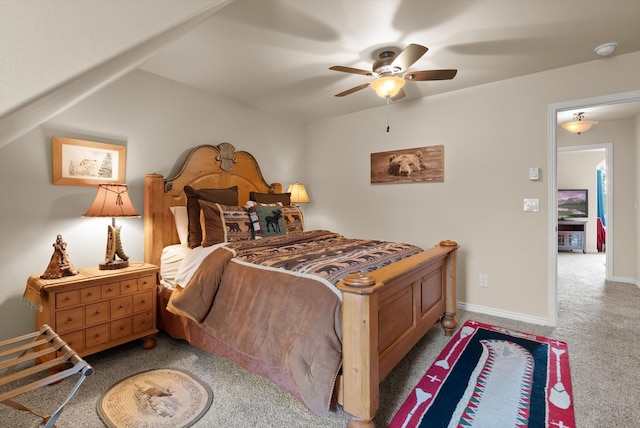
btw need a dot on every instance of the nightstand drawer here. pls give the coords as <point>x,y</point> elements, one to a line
<point>121,306</point>
<point>96,313</point>
<point>142,322</point>
<point>146,282</point>
<point>129,286</point>
<point>75,340</point>
<point>91,294</point>
<point>110,290</point>
<point>142,301</point>
<point>67,298</point>
<point>69,319</point>
<point>97,335</point>
<point>121,328</point>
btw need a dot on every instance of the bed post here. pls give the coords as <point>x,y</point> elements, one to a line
<point>153,234</point>
<point>449,321</point>
<point>360,363</point>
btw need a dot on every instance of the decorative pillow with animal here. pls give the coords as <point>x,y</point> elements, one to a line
<point>228,196</point>
<point>404,165</point>
<point>271,220</point>
<point>293,218</point>
<point>223,223</point>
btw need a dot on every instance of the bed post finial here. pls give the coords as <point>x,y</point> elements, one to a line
<point>226,156</point>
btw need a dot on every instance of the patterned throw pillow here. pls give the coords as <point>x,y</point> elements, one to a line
<point>271,220</point>
<point>223,223</point>
<point>293,218</point>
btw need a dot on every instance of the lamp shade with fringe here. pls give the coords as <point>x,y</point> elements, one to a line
<point>112,200</point>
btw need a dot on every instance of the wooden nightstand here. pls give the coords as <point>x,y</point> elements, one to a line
<point>98,309</point>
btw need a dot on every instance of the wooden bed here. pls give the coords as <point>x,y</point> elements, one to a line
<point>384,313</point>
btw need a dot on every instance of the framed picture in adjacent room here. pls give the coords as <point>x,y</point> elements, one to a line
<point>87,163</point>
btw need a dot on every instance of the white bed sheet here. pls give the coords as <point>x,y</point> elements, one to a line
<point>170,261</point>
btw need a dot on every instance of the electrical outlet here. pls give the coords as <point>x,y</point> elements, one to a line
<point>484,280</point>
<point>532,205</point>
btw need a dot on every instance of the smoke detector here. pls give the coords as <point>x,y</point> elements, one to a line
<point>606,49</point>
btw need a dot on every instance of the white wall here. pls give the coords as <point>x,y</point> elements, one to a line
<point>158,121</point>
<point>492,134</point>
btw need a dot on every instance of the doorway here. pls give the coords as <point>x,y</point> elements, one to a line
<point>581,163</point>
<point>554,110</point>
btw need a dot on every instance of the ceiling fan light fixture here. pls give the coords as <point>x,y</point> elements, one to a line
<point>578,126</point>
<point>387,86</point>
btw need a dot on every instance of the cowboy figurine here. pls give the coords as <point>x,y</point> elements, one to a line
<point>60,264</point>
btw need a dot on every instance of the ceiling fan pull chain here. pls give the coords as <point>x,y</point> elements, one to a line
<point>388,101</point>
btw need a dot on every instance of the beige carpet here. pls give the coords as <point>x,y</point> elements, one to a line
<point>598,320</point>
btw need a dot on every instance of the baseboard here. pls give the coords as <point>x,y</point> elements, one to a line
<point>625,280</point>
<point>503,314</point>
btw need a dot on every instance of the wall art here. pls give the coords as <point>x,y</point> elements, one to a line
<point>87,163</point>
<point>408,165</point>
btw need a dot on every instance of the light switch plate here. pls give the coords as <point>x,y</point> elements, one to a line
<point>534,173</point>
<point>532,205</point>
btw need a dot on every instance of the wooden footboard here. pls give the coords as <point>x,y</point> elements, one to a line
<point>385,313</point>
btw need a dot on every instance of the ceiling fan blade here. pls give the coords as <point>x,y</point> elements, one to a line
<point>352,90</point>
<point>351,70</point>
<point>431,75</point>
<point>408,56</point>
<point>400,95</point>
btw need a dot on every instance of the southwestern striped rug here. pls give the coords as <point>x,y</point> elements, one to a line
<point>489,376</point>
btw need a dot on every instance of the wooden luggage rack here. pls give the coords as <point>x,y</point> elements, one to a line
<point>22,357</point>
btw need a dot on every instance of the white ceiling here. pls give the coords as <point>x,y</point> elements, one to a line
<point>275,54</point>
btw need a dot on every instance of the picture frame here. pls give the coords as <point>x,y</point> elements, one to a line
<point>408,165</point>
<point>86,163</point>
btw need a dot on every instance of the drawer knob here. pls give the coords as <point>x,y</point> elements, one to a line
<point>97,334</point>
<point>121,328</point>
<point>69,319</point>
<point>89,294</point>
<point>128,285</point>
<point>66,298</point>
<point>110,290</point>
<point>120,307</point>
<point>98,312</point>
<point>143,322</point>
<point>142,301</point>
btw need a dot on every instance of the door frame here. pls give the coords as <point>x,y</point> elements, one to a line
<point>552,188</point>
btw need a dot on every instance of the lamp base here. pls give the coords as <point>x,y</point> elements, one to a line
<point>115,264</point>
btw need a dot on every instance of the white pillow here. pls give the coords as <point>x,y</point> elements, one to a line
<point>182,223</point>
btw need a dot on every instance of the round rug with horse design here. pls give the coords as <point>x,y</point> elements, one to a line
<point>155,398</point>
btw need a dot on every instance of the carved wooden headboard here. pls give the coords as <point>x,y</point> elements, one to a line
<point>206,167</point>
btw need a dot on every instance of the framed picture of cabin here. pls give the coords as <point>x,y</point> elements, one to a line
<point>87,163</point>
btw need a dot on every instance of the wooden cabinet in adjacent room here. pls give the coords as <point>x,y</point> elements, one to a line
<point>98,309</point>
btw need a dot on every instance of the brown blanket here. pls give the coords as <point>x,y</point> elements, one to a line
<point>272,316</point>
<point>290,321</point>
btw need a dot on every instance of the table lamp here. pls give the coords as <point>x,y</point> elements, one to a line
<point>298,193</point>
<point>112,200</point>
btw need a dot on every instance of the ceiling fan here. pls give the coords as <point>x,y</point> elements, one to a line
<point>390,72</point>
